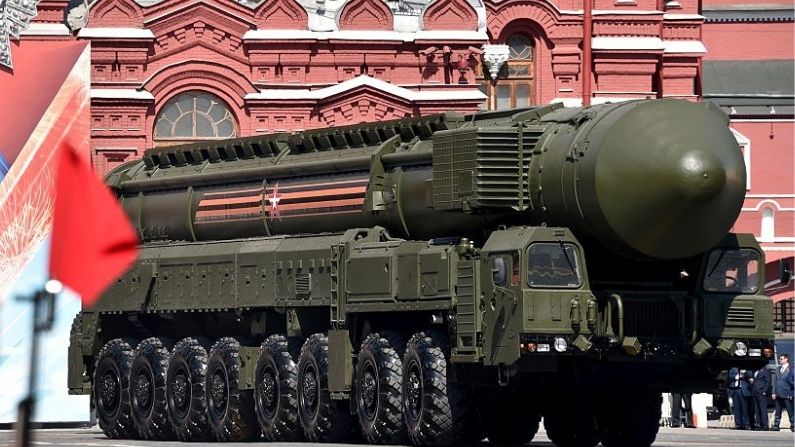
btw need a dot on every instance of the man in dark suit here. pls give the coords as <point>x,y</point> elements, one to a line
<point>738,401</point>
<point>783,391</point>
<point>747,393</point>
<point>760,383</point>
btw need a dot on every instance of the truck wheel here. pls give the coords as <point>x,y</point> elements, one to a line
<point>230,409</point>
<point>185,390</point>
<point>379,389</point>
<point>571,429</point>
<point>434,409</point>
<point>633,422</point>
<point>148,390</point>
<point>276,391</point>
<point>322,419</point>
<point>112,389</point>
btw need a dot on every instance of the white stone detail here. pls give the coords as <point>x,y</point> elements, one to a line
<point>684,46</point>
<point>15,17</point>
<point>270,34</point>
<point>46,29</point>
<point>494,56</point>
<point>473,94</point>
<point>120,93</point>
<point>627,43</point>
<point>116,33</point>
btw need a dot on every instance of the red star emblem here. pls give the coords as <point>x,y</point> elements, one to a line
<point>273,198</point>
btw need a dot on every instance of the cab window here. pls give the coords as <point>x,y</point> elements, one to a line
<point>505,269</point>
<point>732,271</point>
<point>553,265</point>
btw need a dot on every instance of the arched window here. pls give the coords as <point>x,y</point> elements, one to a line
<point>514,86</point>
<point>768,225</point>
<point>194,116</point>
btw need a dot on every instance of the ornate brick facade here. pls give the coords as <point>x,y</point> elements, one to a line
<point>749,73</point>
<point>289,64</point>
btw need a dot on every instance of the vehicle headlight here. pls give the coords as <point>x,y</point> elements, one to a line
<point>560,344</point>
<point>740,349</point>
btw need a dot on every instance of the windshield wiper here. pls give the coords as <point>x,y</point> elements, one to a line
<point>717,262</point>
<point>568,260</point>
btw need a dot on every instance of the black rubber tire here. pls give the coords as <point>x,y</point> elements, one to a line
<point>435,411</point>
<point>148,389</point>
<point>633,422</point>
<point>575,428</point>
<point>112,389</point>
<point>276,391</point>
<point>379,389</point>
<point>230,409</point>
<point>185,390</point>
<point>322,419</point>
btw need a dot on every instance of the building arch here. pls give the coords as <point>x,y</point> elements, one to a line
<point>504,14</point>
<point>217,78</point>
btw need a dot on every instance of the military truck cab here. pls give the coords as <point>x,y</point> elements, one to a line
<point>535,295</point>
<point>734,311</point>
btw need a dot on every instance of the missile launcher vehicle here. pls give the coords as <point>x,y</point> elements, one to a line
<point>430,281</point>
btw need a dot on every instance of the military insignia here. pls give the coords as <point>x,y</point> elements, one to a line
<point>15,17</point>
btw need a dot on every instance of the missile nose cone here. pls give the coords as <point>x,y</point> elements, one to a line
<point>671,179</point>
<point>701,175</point>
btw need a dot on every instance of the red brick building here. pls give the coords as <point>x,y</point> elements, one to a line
<point>748,71</point>
<point>168,71</point>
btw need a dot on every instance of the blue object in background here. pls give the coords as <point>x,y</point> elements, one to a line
<point>53,403</point>
<point>4,167</point>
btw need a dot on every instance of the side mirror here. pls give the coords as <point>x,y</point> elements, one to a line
<point>784,272</point>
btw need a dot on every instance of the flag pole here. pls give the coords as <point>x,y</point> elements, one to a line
<point>43,319</point>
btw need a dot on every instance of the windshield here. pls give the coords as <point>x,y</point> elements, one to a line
<point>553,265</point>
<point>732,271</point>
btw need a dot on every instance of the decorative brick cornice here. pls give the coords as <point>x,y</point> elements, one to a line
<point>116,13</point>
<point>449,15</point>
<point>205,13</point>
<point>748,15</point>
<point>281,14</point>
<point>365,15</point>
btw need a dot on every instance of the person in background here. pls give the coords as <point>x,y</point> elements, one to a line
<point>760,384</point>
<point>738,402</point>
<point>783,391</point>
<point>676,408</point>
<point>747,394</point>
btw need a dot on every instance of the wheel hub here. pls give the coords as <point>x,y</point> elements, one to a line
<point>109,390</point>
<point>414,390</point>
<point>180,391</point>
<point>369,389</point>
<point>143,390</point>
<point>218,391</point>
<point>268,390</point>
<point>310,389</point>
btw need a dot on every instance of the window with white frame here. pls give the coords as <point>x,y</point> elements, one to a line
<point>768,232</point>
<point>194,116</point>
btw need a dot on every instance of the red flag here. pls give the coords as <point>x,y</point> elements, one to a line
<point>93,242</point>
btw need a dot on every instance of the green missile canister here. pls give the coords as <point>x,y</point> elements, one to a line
<point>652,179</point>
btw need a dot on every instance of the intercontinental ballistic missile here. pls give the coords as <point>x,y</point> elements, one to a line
<point>654,179</point>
